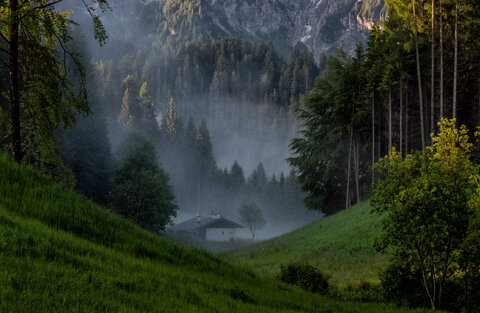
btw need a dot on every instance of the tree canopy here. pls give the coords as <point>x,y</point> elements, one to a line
<point>141,190</point>
<point>427,202</point>
<point>252,216</point>
<point>47,79</point>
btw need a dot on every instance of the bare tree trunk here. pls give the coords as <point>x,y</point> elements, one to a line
<point>401,117</point>
<point>379,150</point>
<point>406,123</point>
<point>441,63</point>
<point>357,166</point>
<point>419,78</point>
<point>389,118</point>
<point>373,138</point>
<point>347,200</point>
<point>432,82</point>
<point>455,62</point>
<point>14,83</point>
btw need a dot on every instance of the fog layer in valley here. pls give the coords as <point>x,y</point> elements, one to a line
<point>211,104</point>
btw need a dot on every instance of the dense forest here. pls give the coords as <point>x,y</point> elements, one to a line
<point>419,65</point>
<point>187,121</point>
<point>245,92</point>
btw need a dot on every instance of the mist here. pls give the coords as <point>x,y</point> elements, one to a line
<point>249,119</point>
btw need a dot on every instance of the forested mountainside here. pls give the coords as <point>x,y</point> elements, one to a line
<point>321,25</point>
<point>246,86</point>
<point>246,93</point>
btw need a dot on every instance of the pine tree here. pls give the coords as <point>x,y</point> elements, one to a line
<point>237,176</point>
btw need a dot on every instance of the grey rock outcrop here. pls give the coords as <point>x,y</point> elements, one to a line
<point>321,25</point>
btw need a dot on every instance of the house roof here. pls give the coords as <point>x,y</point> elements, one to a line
<point>198,223</point>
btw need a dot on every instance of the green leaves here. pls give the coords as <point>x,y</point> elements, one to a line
<point>51,80</point>
<point>141,191</point>
<point>335,108</point>
<point>427,198</point>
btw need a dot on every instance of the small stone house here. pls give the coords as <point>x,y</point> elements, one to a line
<point>213,228</point>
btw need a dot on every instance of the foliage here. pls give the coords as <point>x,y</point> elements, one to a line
<point>141,191</point>
<point>363,291</point>
<point>377,95</point>
<point>77,257</point>
<point>239,87</point>
<point>305,276</point>
<point>401,285</point>
<point>252,216</point>
<point>469,261</point>
<point>85,148</point>
<point>426,199</point>
<point>43,97</point>
<point>334,112</point>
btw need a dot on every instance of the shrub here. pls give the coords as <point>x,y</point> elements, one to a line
<point>304,276</point>
<point>401,285</point>
<point>363,291</point>
<point>238,294</point>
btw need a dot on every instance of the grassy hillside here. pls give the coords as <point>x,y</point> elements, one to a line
<point>61,253</point>
<point>340,245</point>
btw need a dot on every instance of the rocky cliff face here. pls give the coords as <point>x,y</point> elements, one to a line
<point>321,25</point>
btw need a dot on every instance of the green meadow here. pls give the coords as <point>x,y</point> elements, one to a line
<point>340,245</point>
<point>59,252</point>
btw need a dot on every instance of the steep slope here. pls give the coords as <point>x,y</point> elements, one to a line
<point>341,245</point>
<point>321,25</point>
<point>61,253</point>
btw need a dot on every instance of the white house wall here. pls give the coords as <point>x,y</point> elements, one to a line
<point>220,234</point>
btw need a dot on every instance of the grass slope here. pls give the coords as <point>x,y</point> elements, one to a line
<point>61,253</point>
<point>340,245</point>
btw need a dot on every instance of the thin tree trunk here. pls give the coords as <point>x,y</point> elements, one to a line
<point>419,78</point>
<point>389,118</point>
<point>357,167</point>
<point>432,82</point>
<point>373,138</point>
<point>441,63</point>
<point>401,116</point>
<point>406,123</point>
<point>14,82</point>
<point>347,200</point>
<point>379,150</point>
<point>455,63</point>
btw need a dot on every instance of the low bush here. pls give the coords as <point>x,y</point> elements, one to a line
<point>363,291</point>
<point>304,276</point>
<point>402,286</point>
<point>238,294</point>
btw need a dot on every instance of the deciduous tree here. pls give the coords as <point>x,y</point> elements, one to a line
<point>426,199</point>
<point>34,39</point>
<point>252,216</point>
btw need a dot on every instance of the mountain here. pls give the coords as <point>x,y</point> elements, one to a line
<point>321,25</point>
<point>341,245</point>
<point>59,252</point>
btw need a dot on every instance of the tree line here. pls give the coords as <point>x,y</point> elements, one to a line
<point>419,65</point>
<point>242,89</point>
